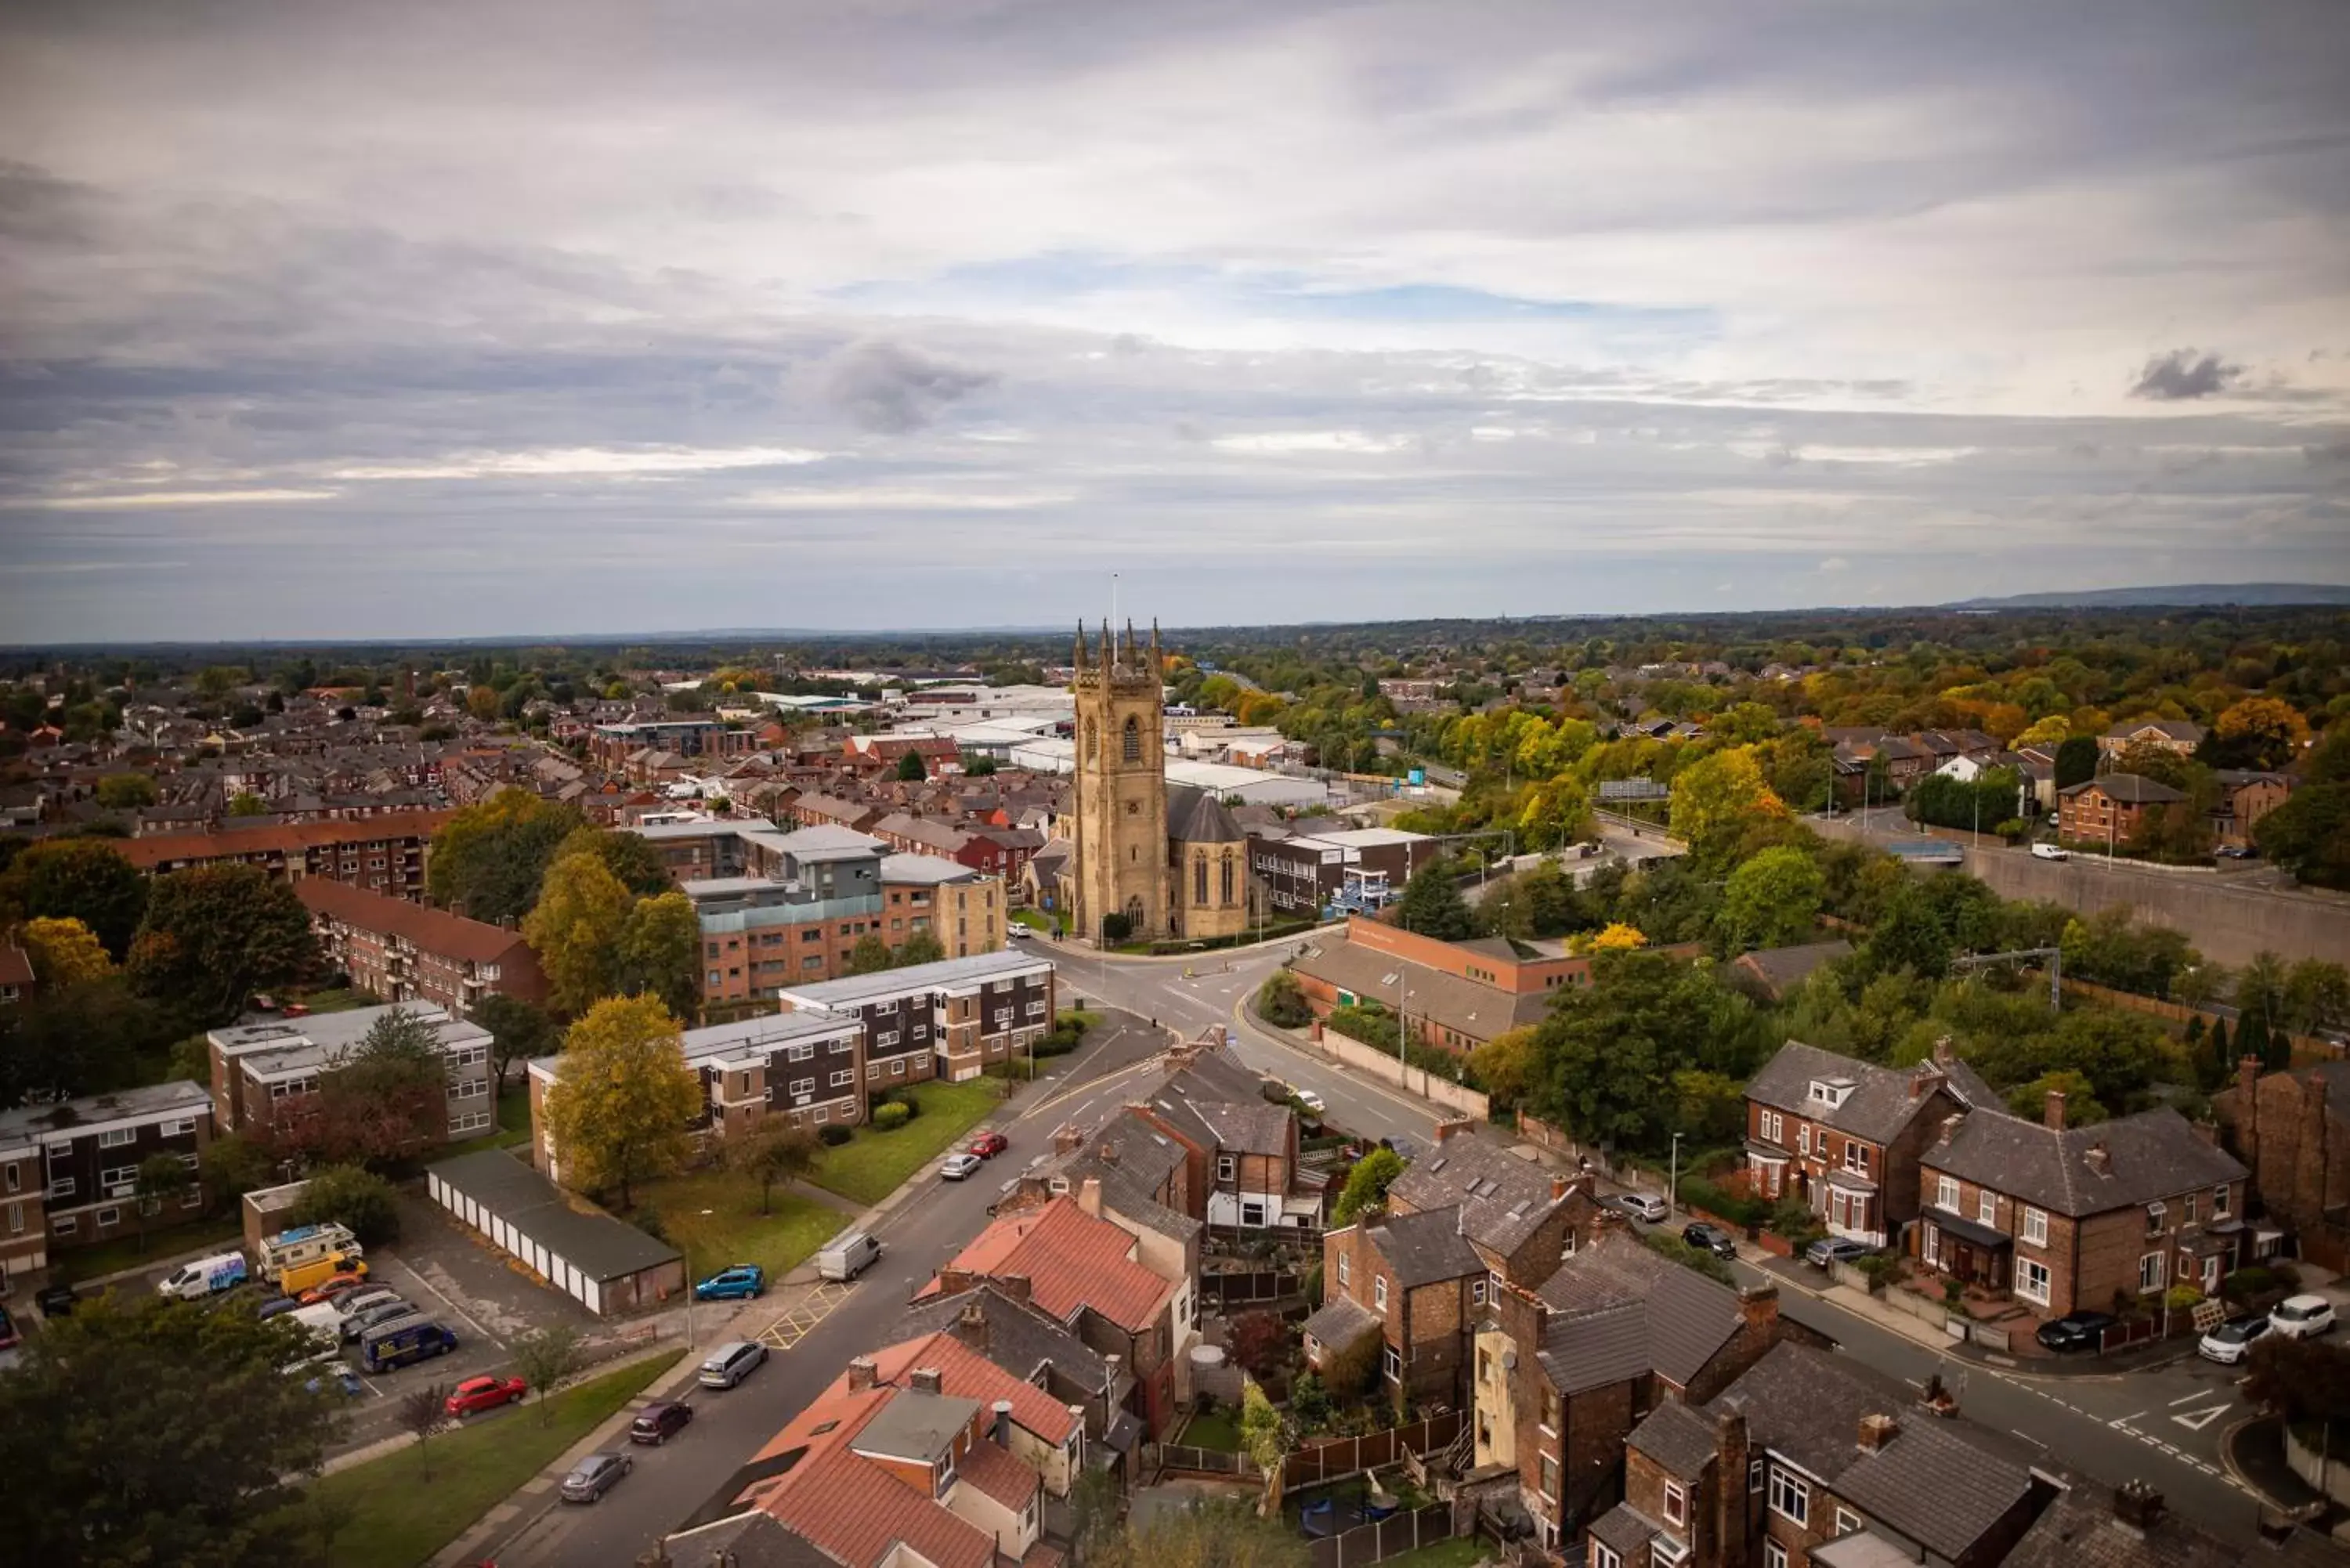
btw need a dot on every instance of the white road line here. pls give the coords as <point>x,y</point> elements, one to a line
<point>2027,1436</point>
<point>452,1306</point>
<point>2187,1398</point>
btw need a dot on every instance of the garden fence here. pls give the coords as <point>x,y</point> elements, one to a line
<point>1389,1537</point>
<point>1204,1462</point>
<point>1315,1464</point>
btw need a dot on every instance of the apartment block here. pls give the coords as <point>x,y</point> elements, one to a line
<point>383,854</point>
<point>406,952</point>
<point>267,1077</point>
<point>70,1172</point>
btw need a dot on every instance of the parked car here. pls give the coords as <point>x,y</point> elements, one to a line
<point>739,1283</point>
<point>411,1339</point>
<point>1019,933</point>
<point>594,1476</point>
<point>1311,1101</point>
<point>8,1334</point>
<point>2050,852</point>
<point>659,1421</point>
<point>847,1256</point>
<point>1708,1237</point>
<point>357,1325</point>
<point>2232,1341</point>
<point>2075,1331</point>
<point>731,1363</point>
<point>2237,852</point>
<point>956,1167</point>
<point>342,1380</point>
<point>327,1290</point>
<point>276,1306</point>
<point>1645,1206</point>
<point>987,1146</point>
<point>475,1395</point>
<point>351,1302</point>
<point>56,1301</point>
<point>1832,1250</point>
<point>2302,1317</point>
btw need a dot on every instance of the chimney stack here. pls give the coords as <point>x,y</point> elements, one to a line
<point>2138,1506</point>
<point>861,1372</point>
<point>971,1326</point>
<point>1942,1054</point>
<point>1950,1125</point>
<point>1003,1432</point>
<point>1089,1196</point>
<point>954,1282</point>
<point>1067,1138</point>
<point>925,1380</point>
<point>1107,1154</point>
<point>1452,1126</point>
<point>2248,1074</point>
<point>1758,1305</point>
<point>1731,1520</point>
<point>1013,1285</point>
<point>1876,1431</point>
<point>1925,1081</point>
<point>2053,1111</point>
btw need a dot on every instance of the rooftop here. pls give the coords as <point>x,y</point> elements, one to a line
<point>183,1096</point>
<point>323,1039</point>
<point>947,974</point>
<point>594,1243</point>
<point>916,1425</point>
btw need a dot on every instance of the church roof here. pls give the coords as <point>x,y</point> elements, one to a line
<point>1197,816</point>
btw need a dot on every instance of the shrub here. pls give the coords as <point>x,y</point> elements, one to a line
<point>1793,1219</point>
<point>647,1218</point>
<point>351,1195</point>
<point>1688,1257</point>
<point>892,1116</point>
<point>1282,1002</point>
<point>1698,1193</point>
<point>1880,1268</point>
<point>834,1134</point>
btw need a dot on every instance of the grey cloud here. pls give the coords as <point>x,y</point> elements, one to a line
<point>2183,374</point>
<point>891,389</point>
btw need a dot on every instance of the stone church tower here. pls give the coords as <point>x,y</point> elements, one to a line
<point>1120,799</point>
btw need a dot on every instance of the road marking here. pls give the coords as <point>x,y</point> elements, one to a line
<point>2120,1420</point>
<point>452,1306</point>
<point>2196,1420</point>
<point>2027,1436</point>
<point>800,1319</point>
<point>2187,1398</point>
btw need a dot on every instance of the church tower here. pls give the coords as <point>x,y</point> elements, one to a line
<point>1120,801</point>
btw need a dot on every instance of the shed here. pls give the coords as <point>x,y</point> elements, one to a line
<point>269,1210</point>
<point>608,1266</point>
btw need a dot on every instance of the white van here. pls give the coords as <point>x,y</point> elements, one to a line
<point>847,1257</point>
<point>205,1277</point>
<point>2050,852</point>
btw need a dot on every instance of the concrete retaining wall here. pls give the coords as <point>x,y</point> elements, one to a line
<point>1411,1080</point>
<point>2328,1473</point>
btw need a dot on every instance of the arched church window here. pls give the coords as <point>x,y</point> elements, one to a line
<point>1133,740</point>
<point>1227,899</point>
<point>1199,878</point>
<point>1093,736</point>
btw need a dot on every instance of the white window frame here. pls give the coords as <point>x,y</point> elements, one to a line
<point>1986,1208</point>
<point>1345,1269</point>
<point>2035,1226</point>
<point>1477,1293</point>
<point>117,1137</point>
<point>2153,1267</point>
<point>1604,1556</point>
<point>2219,1196</point>
<point>1676,1504</point>
<point>2155,1212</point>
<point>1754,1472</point>
<point>1846,1522</point>
<point>2034,1292</point>
<point>1857,1158</point>
<point>844,1078</point>
<point>1393,1362</point>
<point>1804,1138</point>
<point>1946,1194</point>
<point>1791,1496</point>
<point>1773,1128</point>
<point>1773,1554</point>
<point>1380,1291</point>
<point>109,1215</point>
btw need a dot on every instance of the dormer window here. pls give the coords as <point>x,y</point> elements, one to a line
<point>1831,1092</point>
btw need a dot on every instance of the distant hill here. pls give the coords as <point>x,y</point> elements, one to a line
<point>2182,594</point>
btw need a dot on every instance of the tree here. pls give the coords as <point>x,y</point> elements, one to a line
<point>1114,929</point>
<point>1261,1431</point>
<point>126,791</point>
<point>1213,1535</point>
<point>870,955</point>
<point>64,954</point>
<point>1772,901</point>
<point>1557,811</point>
<point>234,1164</point>
<point>2309,835</point>
<point>83,879</point>
<point>910,769</point>
<point>1715,798</point>
<point>423,1412</point>
<point>2051,731</point>
<point>630,857</point>
<point>353,1196</point>
<point>387,1098</point>
<point>1909,937</point>
<point>1503,1066</point>
<point>623,1098</point>
<point>490,860</point>
<point>1608,1051</point>
<point>481,703</point>
<point>660,952</point>
<point>97,1437</point>
<point>545,1356</point>
<point>213,935</point>
<point>2076,760</point>
<point>2300,1379</point>
<point>979,767</point>
<point>2259,733</point>
<point>1366,1191</point>
<point>2223,1052</point>
<point>244,802</point>
<point>519,1030</point>
<point>777,1150</point>
<point>163,1179</point>
<point>1431,906</point>
<point>1281,1001</point>
<point>2081,1109</point>
<point>574,928</point>
<point>2316,996</point>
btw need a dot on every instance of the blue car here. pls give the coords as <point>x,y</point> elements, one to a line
<point>738,1284</point>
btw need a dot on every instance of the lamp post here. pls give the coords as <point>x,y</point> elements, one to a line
<point>1673,1180</point>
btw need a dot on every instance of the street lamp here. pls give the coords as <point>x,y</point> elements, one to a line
<point>1673,1180</point>
<point>686,1248</point>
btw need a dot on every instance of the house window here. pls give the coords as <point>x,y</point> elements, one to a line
<point>1804,1138</point>
<point>2035,1227</point>
<point>1847,1521</point>
<point>1791,1496</point>
<point>2152,1272</point>
<point>1199,878</point>
<point>1946,1193</point>
<point>1602,1555</point>
<point>2032,1281</point>
<point>873,1070</point>
<point>1675,1503</point>
<point>2218,1203</point>
<point>1394,1365</point>
<point>1754,1475</point>
<point>2190,1207</point>
<point>1343,1269</point>
<point>109,1217</point>
<point>116,1137</point>
<point>898,1068</point>
<point>1855,1157</point>
<point>65,1225</point>
<point>1773,1129</point>
<point>1986,1208</point>
<point>1227,1167</point>
<point>1477,1293</point>
<point>1773,1554</point>
<point>1379,1292</point>
<point>843,1080</point>
<point>1549,1477</point>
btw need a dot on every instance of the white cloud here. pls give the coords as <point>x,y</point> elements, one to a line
<point>583,462</point>
<point>1281,443</point>
<point>158,499</point>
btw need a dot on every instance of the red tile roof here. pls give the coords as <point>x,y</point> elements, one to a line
<point>994,1471</point>
<point>17,967</point>
<point>967,1375</point>
<point>1071,1260</point>
<point>284,839</point>
<point>852,1509</point>
<point>434,930</point>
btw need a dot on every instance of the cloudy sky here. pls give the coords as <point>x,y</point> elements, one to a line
<point>476,318</point>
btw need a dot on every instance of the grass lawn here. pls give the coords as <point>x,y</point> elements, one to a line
<point>1458,1552</point>
<point>398,1519</point>
<point>514,1126</point>
<point>872,1164</point>
<point>1035,919</point>
<point>734,1232</point>
<point>1219,1429</point>
<point>127,1253</point>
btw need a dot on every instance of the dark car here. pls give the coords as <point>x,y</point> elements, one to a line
<point>594,1476</point>
<point>659,1421</point>
<point>56,1301</point>
<point>8,1334</point>
<point>1708,1237</point>
<point>2075,1331</point>
<point>355,1327</point>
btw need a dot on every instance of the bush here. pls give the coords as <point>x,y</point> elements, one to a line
<point>1698,1193</point>
<point>892,1116</point>
<point>1794,1219</point>
<point>834,1134</point>
<point>350,1195</point>
<point>647,1220</point>
<point>1688,1257</point>
<point>1880,1268</point>
<point>1282,1002</point>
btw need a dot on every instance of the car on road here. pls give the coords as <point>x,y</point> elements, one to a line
<point>731,1363</point>
<point>1310,1100</point>
<point>1019,932</point>
<point>659,1421</point>
<point>475,1395</point>
<point>357,1325</point>
<point>956,1167</point>
<point>594,1476</point>
<point>2237,852</point>
<point>56,1301</point>
<point>2232,1341</point>
<point>987,1146</point>
<point>1708,1237</point>
<point>2075,1331</point>
<point>1831,1249</point>
<point>1645,1206</point>
<point>2302,1317</point>
<point>740,1283</point>
<point>2050,852</point>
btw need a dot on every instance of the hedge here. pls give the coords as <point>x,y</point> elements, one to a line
<point>1697,1192</point>
<point>890,1117</point>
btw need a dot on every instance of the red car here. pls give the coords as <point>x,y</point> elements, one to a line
<point>486,1393</point>
<point>327,1290</point>
<point>987,1146</point>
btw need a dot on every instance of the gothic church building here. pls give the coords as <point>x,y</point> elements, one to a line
<point>1168,859</point>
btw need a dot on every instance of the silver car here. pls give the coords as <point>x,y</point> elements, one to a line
<point>594,1476</point>
<point>731,1363</point>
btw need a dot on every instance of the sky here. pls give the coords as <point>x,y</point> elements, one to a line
<point>476,317</point>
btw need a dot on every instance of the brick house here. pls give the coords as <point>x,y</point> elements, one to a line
<point>1025,1340</point>
<point>70,1172</point>
<point>1805,1448</point>
<point>402,951</point>
<point>16,973</point>
<point>2180,736</point>
<point>2109,810</point>
<point>1240,1149</point>
<point>383,854</point>
<point>1414,1281</point>
<point>266,1077</point>
<point>950,1019</point>
<point>2292,1129</point>
<point>1519,1218</point>
<point>964,909</point>
<point>1844,1134</point>
<point>2069,1219</point>
<point>2245,797</point>
<point>1562,1375</point>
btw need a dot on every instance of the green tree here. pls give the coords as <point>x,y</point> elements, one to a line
<point>2309,835</point>
<point>979,767</point>
<point>659,953</point>
<point>1716,799</point>
<point>630,857</point>
<point>574,928</point>
<point>910,769</point>
<point>545,1356</point>
<point>83,879</point>
<point>244,802</point>
<point>163,1179</point>
<point>1772,900</point>
<point>353,1196</point>
<point>1909,936</point>
<point>491,859</point>
<point>1365,1192</point>
<point>213,935</point>
<point>234,1164</point>
<point>126,791</point>
<point>2030,1100</point>
<point>1282,1002</point>
<point>1710,1107</point>
<point>64,954</point>
<point>387,1100</point>
<point>921,947</point>
<point>1608,1051</point>
<point>1557,811</point>
<point>421,1413</point>
<point>2076,760</point>
<point>1262,1429</point>
<point>519,1030</point>
<point>145,1430</point>
<point>872,954</point>
<point>2223,1051</point>
<point>777,1150</point>
<point>1504,1067</point>
<point>2316,996</point>
<point>623,1098</point>
<point>1431,906</point>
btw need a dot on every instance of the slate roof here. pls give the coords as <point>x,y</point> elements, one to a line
<point>1596,1349</point>
<point>2129,789</point>
<point>1260,1128</point>
<point>1502,1197</point>
<point>1627,1531</point>
<point>1940,1483</point>
<point>1341,1321</point>
<point>2153,1154</point>
<point>1784,969</point>
<point>965,1374</point>
<point>1878,1107</point>
<point>597,1245</point>
<point>1020,1338</point>
<point>1197,816</point>
<point>1422,1249</point>
<point>2079,1530</point>
<point>1448,1000</point>
<point>1678,1438</point>
<point>1687,1317</point>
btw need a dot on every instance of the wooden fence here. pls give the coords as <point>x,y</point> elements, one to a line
<point>1248,1289</point>
<point>1201,1461</point>
<point>1389,1537</point>
<point>1326,1461</point>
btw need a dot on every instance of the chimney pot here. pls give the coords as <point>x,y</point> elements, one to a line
<point>925,1380</point>
<point>1758,1305</point>
<point>1942,1052</point>
<point>2053,1111</point>
<point>2138,1506</point>
<point>1003,1433</point>
<point>861,1372</point>
<point>1950,1125</point>
<point>1089,1196</point>
<point>1452,1127</point>
<point>1876,1431</point>
<point>2100,1159</point>
<point>1559,1187</point>
<point>971,1327</point>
